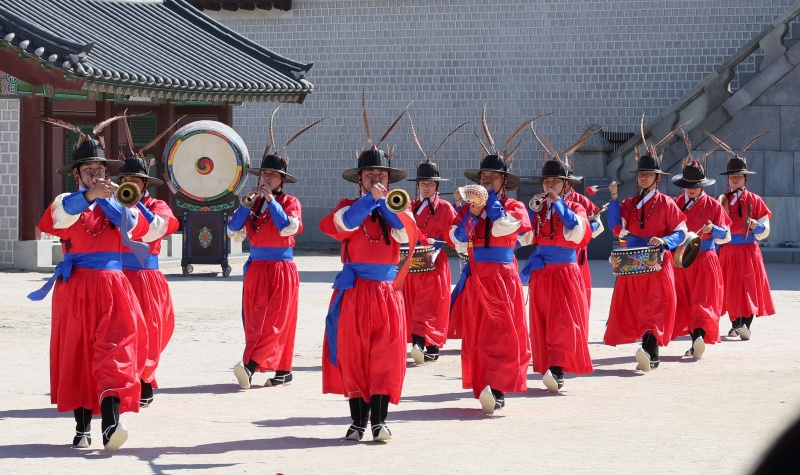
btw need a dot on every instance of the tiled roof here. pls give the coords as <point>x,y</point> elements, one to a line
<point>164,49</point>
<point>234,5</point>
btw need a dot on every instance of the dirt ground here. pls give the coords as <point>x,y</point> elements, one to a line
<point>717,415</point>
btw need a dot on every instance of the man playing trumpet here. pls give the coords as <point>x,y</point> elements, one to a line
<point>271,218</point>
<point>558,309</point>
<point>364,350</point>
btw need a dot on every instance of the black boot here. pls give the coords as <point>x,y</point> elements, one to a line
<point>281,377</point>
<point>431,353</point>
<point>147,395</point>
<point>359,413</point>
<point>114,433</point>
<point>83,423</point>
<point>379,404</point>
<point>650,346</point>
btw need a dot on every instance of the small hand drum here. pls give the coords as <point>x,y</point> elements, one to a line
<point>421,261</point>
<point>636,260</point>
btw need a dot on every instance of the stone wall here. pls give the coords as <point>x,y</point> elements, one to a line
<point>604,62</point>
<point>9,179</point>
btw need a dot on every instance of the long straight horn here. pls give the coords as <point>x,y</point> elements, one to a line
<point>364,115</point>
<point>753,140</point>
<point>445,139</point>
<point>416,139</point>
<point>397,121</point>
<point>486,132</point>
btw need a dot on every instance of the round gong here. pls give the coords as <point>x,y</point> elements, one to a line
<point>205,160</point>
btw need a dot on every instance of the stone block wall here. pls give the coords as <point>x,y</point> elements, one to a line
<point>9,179</point>
<point>586,62</point>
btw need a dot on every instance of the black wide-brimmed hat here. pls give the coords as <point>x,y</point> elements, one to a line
<point>553,169</point>
<point>374,158</point>
<point>693,177</point>
<point>89,150</point>
<point>274,163</point>
<point>649,164</point>
<point>494,163</point>
<point>737,166</point>
<point>138,167</point>
<point>428,171</point>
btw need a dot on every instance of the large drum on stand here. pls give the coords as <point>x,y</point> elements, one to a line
<point>205,163</point>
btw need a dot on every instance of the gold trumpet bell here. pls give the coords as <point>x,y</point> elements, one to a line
<point>127,194</point>
<point>397,200</point>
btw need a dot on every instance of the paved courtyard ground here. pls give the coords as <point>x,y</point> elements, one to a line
<point>716,415</point>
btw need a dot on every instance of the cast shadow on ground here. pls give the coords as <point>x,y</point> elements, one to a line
<point>466,413</point>
<point>38,413</point>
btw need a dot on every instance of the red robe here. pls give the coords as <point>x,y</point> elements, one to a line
<point>372,323</point>
<point>94,338</point>
<point>699,288</point>
<point>427,294</point>
<point>583,254</point>
<point>558,309</point>
<point>271,292</point>
<point>494,351</point>
<point>152,291</point>
<point>646,302</point>
<point>747,290</point>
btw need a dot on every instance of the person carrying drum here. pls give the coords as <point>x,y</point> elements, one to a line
<point>364,350</point>
<point>643,304</point>
<point>495,348</point>
<point>747,291</point>
<point>148,282</point>
<point>699,287</point>
<point>271,218</point>
<point>427,294</point>
<point>558,309</point>
<point>94,342</point>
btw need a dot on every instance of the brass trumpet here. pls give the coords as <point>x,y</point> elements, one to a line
<point>397,200</point>
<point>127,194</point>
<point>247,200</point>
<point>537,202</point>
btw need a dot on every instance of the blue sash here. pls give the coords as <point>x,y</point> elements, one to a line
<point>739,239</point>
<point>92,260</point>
<point>707,244</point>
<point>344,280</point>
<point>544,255</point>
<point>268,254</point>
<point>131,262</point>
<point>500,255</point>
